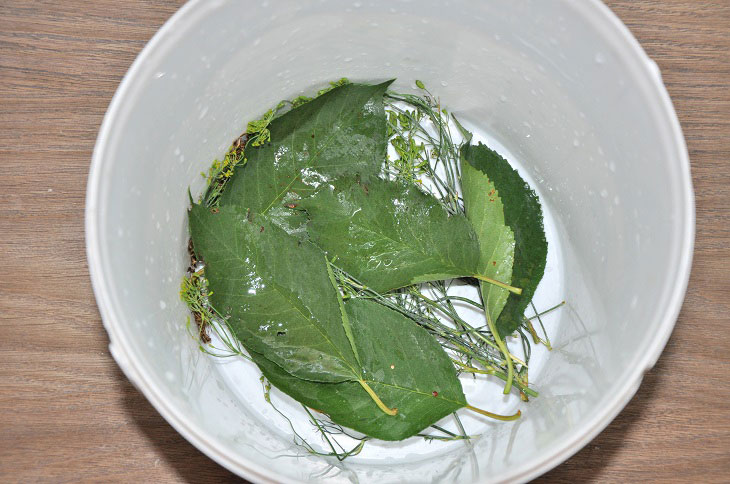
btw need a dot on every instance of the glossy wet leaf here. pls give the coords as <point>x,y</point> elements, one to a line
<point>402,363</point>
<point>342,132</point>
<point>390,234</point>
<point>523,214</point>
<point>484,209</point>
<point>276,293</point>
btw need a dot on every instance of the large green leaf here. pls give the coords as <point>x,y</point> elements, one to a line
<point>276,293</point>
<point>484,209</point>
<point>390,234</point>
<point>523,214</point>
<point>338,133</point>
<point>402,363</point>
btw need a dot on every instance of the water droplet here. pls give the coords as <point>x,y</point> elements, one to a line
<point>256,42</point>
<point>604,193</point>
<point>616,200</point>
<point>503,98</point>
<point>576,142</point>
<point>159,75</point>
<point>347,59</point>
<point>599,58</point>
<point>612,166</point>
<point>163,304</point>
<point>444,83</point>
<point>203,112</point>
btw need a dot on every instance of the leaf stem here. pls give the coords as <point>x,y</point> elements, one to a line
<point>515,290</point>
<point>505,418</point>
<point>377,400</point>
<point>505,351</point>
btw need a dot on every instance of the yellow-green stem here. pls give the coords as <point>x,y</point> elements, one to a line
<point>506,418</point>
<point>377,400</point>
<point>512,289</point>
<point>505,352</point>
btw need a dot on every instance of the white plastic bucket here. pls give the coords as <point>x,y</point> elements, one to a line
<point>561,84</point>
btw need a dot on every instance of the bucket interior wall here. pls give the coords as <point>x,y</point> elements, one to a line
<point>540,77</point>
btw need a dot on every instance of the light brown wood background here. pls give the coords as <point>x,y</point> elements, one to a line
<point>67,413</point>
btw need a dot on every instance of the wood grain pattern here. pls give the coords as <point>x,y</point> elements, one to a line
<point>66,411</point>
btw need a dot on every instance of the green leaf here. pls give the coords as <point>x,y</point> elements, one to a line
<point>341,132</point>
<point>523,214</point>
<point>402,363</point>
<point>484,209</point>
<point>390,234</point>
<point>276,292</point>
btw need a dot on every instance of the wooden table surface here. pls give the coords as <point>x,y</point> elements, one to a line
<point>66,411</point>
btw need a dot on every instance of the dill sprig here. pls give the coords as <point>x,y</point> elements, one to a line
<point>257,133</point>
<point>328,431</point>
<point>420,132</point>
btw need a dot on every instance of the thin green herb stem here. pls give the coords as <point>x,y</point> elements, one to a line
<point>460,425</point>
<point>321,431</point>
<point>452,313</point>
<point>460,299</point>
<point>543,313</point>
<point>490,370</point>
<point>441,429</point>
<point>546,341</point>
